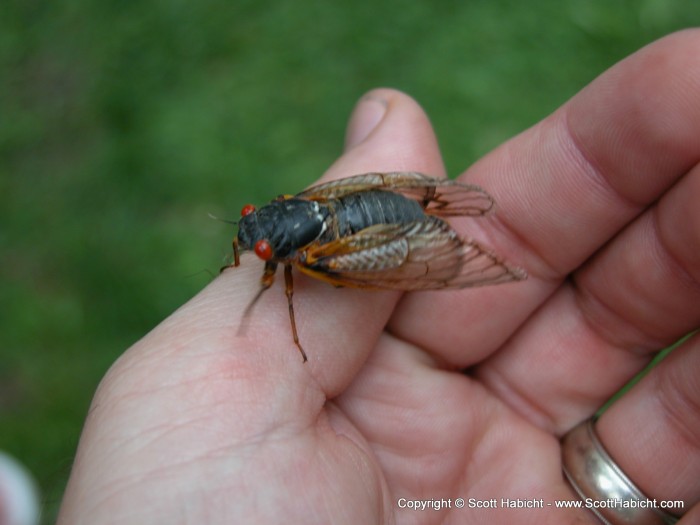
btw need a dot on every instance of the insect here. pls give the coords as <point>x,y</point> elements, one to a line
<point>373,231</point>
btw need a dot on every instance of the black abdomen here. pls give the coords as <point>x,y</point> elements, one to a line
<point>358,211</point>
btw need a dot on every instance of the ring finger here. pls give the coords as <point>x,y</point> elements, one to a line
<point>652,435</point>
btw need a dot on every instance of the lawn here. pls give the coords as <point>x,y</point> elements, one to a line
<point>124,124</point>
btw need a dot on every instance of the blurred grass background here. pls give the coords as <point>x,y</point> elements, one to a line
<point>123,124</point>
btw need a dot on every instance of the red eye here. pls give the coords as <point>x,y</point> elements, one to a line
<point>263,250</point>
<point>247,210</point>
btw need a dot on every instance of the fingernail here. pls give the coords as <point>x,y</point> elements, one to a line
<point>368,113</point>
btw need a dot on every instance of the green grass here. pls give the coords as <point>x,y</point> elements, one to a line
<point>122,124</point>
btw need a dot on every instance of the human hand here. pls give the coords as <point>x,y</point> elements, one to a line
<point>198,423</point>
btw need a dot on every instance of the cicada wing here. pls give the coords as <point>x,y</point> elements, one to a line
<point>442,197</point>
<point>425,255</point>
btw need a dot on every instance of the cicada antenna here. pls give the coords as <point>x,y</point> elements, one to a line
<point>227,221</point>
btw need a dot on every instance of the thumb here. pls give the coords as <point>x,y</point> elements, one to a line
<point>388,131</point>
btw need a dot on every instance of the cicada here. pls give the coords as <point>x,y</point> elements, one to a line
<point>372,231</point>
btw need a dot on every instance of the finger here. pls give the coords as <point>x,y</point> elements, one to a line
<point>637,295</point>
<point>402,138</point>
<point>337,327</point>
<point>563,189</point>
<point>653,431</point>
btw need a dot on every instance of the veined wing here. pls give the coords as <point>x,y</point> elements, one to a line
<point>425,255</point>
<point>442,197</point>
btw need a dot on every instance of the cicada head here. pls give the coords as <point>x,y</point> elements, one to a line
<point>276,231</point>
<point>252,235</point>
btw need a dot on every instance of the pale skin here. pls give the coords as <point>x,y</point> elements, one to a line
<point>199,423</point>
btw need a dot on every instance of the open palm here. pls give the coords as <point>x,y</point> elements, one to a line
<point>426,398</point>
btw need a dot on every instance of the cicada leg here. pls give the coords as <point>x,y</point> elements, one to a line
<point>289,291</point>
<point>266,281</point>
<point>236,257</point>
